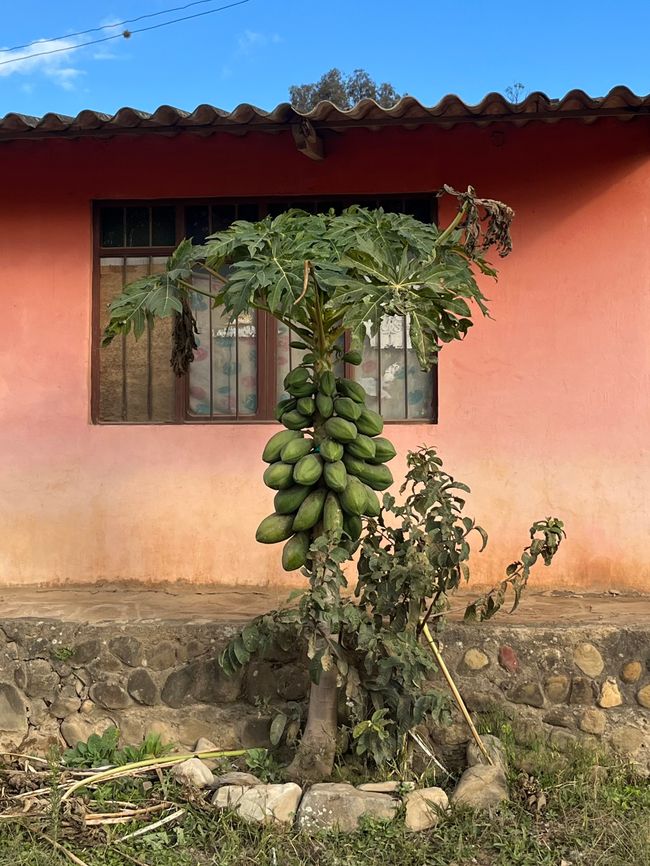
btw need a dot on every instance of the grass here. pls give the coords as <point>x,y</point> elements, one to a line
<point>592,817</point>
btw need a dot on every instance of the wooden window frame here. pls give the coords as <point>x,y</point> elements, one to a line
<point>266,327</point>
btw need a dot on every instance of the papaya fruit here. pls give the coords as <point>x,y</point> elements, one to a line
<point>347,408</point>
<point>332,514</point>
<point>304,389</point>
<point>306,405</point>
<point>384,450</point>
<point>353,499</point>
<point>340,429</point>
<point>295,420</point>
<point>327,383</point>
<point>335,476</point>
<point>352,526</point>
<point>373,505</point>
<point>294,552</point>
<point>288,501</point>
<point>324,404</point>
<point>296,344</point>
<point>283,406</point>
<point>297,448</point>
<point>363,447</point>
<point>274,528</point>
<point>297,376</point>
<point>310,511</point>
<point>353,357</point>
<point>354,466</point>
<point>369,422</point>
<point>353,390</point>
<point>308,470</point>
<point>278,476</point>
<point>379,477</point>
<point>331,450</point>
<point>276,443</point>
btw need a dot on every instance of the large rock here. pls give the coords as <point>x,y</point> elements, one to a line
<point>643,697</point>
<point>261,803</point>
<point>610,694</point>
<point>65,703</point>
<point>128,649</point>
<point>111,696</point>
<point>588,659</point>
<point>337,805</point>
<point>193,773</point>
<point>529,693</point>
<point>142,688</point>
<point>77,728</point>
<point>13,716</point>
<point>42,681</point>
<point>481,787</point>
<point>243,780</point>
<point>494,748</point>
<point>423,808</point>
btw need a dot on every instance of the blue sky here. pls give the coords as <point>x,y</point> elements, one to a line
<point>254,52</point>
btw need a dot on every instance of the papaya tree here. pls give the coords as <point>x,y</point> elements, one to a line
<point>326,276</point>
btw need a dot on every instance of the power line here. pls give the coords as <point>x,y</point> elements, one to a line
<point>126,34</point>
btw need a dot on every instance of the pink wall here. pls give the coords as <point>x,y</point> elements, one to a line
<point>542,411</point>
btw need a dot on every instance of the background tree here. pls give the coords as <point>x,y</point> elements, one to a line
<point>343,90</point>
<point>323,276</point>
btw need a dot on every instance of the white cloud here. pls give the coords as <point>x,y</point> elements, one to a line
<point>250,40</point>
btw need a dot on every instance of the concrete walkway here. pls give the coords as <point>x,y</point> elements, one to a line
<point>101,603</point>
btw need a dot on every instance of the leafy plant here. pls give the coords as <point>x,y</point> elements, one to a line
<point>263,765</point>
<point>101,750</point>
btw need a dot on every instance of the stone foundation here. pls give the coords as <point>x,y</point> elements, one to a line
<point>62,681</point>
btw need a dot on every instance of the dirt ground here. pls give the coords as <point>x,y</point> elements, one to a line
<point>195,604</point>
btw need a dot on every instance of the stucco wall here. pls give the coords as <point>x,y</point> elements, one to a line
<point>542,411</point>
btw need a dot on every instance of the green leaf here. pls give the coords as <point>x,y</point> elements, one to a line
<point>277,728</point>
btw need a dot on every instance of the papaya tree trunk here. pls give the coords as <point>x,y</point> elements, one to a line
<point>314,759</point>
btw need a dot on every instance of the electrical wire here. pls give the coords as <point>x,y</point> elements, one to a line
<point>108,26</point>
<point>126,34</point>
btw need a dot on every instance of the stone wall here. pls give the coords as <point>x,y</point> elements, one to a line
<point>61,681</point>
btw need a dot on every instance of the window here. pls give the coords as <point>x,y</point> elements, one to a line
<point>239,367</point>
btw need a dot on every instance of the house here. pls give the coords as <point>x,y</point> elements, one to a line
<point>112,469</point>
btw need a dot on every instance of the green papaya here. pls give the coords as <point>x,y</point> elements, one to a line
<point>324,404</point>
<point>283,406</point>
<point>353,357</point>
<point>297,448</point>
<point>379,477</point>
<point>308,470</point>
<point>294,552</point>
<point>384,450</point>
<point>332,514</point>
<point>327,383</point>
<point>331,450</point>
<point>347,408</point>
<point>352,526</point>
<point>354,466</point>
<point>373,505</point>
<point>306,405</point>
<point>289,501</point>
<point>353,499</point>
<point>340,429</point>
<point>296,344</point>
<point>310,511</point>
<point>304,389</point>
<point>295,420</point>
<point>298,376</point>
<point>363,447</point>
<point>276,443</point>
<point>335,476</point>
<point>278,476</point>
<point>274,528</point>
<point>353,390</point>
<point>370,422</point>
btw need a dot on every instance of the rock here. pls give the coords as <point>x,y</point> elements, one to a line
<point>631,671</point>
<point>337,805</point>
<point>559,718</point>
<point>475,660</point>
<point>610,695</point>
<point>162,656</point>
<point>86,707</point>
<point>643,697</point>
<point>292,683</point>
<point>528,732</point>
<point>202,681</point>
<point>111,696</point>
<point>193,773</point>
<point>508,659</point>
<point>588,659</point>
<point>77,728</point>
<point>38,712</point>
<point>40,740</point>
<point>242,780</point>
<point>142,688</point>
<point>265,804</point>
<point>386,787</point>
<point>494,748</point>
<point>483,702</point>
<point>529,693</point>
<point>205,745</point>
<point>557,688</point>
<point>84,653</point>
<point>583,691</point>
<point>563,740</point>
<point>65,703</point>
<point>423,808</point>
<point>592,721</point>
<point>128,650</point>
<point>481,787</point>
<point>13,712</point>
<point>627,739</point>
<point>41,680</point>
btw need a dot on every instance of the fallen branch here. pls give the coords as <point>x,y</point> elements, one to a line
<point>144,830</point>
<point>93,819</point>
